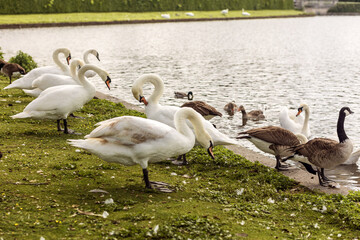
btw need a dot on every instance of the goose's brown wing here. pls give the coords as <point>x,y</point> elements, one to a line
<point>275,135</point>
<point>203,108</point>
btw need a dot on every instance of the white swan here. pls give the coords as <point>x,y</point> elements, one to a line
<point>90,74</point>
<point>245,13</point>
<point>59,101</point>
<point>353,159</point>
<point>292,123</point>
<point>165,114</point>
<point>224,11</point>
<point>50,80</point>
<point>25,82</point>
<point>166,16</point>
<point>132,140</point>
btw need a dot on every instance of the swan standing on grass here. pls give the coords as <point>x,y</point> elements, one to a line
<point>25,82</point>
<point>90,74</point>
<point>295,124</point>
<point>60,101</point>
<point>325,152</point>
<point>276,141</point>
<point>50,80</point>
<point>165,114</point>
<point>132,140</point>
<point>225,11</point>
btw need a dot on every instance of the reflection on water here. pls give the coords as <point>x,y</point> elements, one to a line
<point>261,64</point>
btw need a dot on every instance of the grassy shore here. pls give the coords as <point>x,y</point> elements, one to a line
<point>45,190</point>
<point>126,16</point>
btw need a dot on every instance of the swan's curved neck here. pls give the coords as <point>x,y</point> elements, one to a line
<point>57,60</point>
<point>158,88</point>
<point>306,121</point>
<point>81,75</point>
<point>86,56</point>
<point>340,128</point>
<point>182,127</point>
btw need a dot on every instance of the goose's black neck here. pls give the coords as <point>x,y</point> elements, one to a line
<point>340,127</point>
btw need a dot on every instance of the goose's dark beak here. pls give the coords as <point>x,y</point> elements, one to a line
<point>210,151</point>
<point>107,82</point>
<point>68,59</point>
<point>142,99</point>
<point>299,111</point>
<point>97,56</point>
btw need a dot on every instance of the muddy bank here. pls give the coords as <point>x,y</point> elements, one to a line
<point>304,178</point>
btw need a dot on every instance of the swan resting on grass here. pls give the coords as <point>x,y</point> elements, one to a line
<point>132,140</point>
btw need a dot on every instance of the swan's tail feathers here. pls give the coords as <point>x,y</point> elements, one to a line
<point>80,143</point>
<point>21,115</point>
<point>225,141</point>
<point>15,84</point>
<point>33,92</point>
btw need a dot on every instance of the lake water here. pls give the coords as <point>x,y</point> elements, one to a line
<point>262,64</point>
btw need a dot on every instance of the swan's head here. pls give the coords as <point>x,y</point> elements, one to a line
<point>303,107</point>
<point>67,54</point>
<point>346,111</point>
<point>95,53</point>
<point>302,138</point>
<point>138,94</point>
<point>77,63</point>
<point>108,81</point>
<point>190,95</point>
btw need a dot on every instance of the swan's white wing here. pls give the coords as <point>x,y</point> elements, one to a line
<point>163,114</point>
<point>50,80</point>
<point>354,158</point>
<point>128,130</point>
<point>25,82</point>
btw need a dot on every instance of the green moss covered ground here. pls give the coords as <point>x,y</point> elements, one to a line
<point>45,190</point>
<point>126,16</point>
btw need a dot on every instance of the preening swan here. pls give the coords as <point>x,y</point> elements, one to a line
<point>25,82</point>
<point>276,141</point>
<point>293,123</point>
<point>206,110</point>
<point>132,140</point>
<point>59,101</point>
<point>165,114</point>
<point>50,80</point>
<point>89,74</point>
<point>325,152</point>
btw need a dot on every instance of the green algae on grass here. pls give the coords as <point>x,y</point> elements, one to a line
<point>45,190</point>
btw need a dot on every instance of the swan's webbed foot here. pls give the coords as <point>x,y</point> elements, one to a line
<point>73,116</point>
<point>178,161</point>
<point>162,187</point>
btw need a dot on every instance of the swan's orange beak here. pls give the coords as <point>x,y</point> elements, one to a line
<point>299,111</point>
<point>68,59</point>
<point>142,99</point>
<point>107,82</point>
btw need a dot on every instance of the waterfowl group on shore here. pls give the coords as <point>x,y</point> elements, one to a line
<point>172,131</point>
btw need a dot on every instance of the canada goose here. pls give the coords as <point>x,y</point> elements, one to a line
<point>326,153</point>
<point>10,68</point>
<point>2,63</point>
<point>59,101</point>
<point>224,11</point>
<point>230,108</point>
<point>189,95</point>
<point>293,123</point>
<point>276,141</point>
<point>252,115</point>
<point>207,111</point>
<point>245,13</point>
<point>132,140</point>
